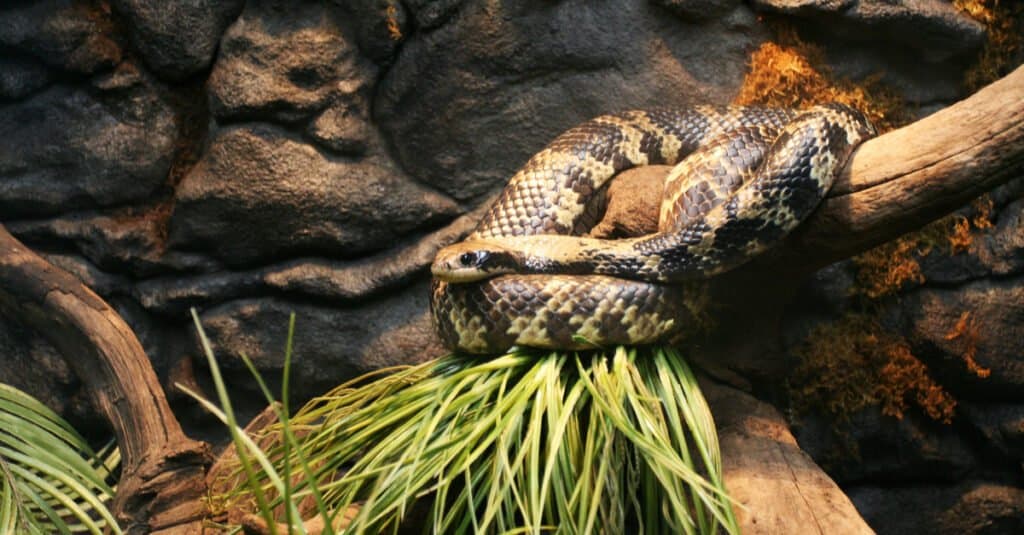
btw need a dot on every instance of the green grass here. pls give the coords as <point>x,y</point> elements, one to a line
<point>51,481</point>
<point>527,442</point>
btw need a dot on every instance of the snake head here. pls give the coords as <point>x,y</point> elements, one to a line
<point>471,261</point>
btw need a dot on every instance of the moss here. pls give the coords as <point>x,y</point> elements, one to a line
<point>789,72</point>
<point>391,19</point>
<point>890,267</point>
<point>1003,47</point>
<point>965,332</point>
<point>854,363</point>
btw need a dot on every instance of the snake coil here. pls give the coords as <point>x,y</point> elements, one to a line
<point>745,178</point>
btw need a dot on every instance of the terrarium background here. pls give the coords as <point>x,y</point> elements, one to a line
<point>254,158</point>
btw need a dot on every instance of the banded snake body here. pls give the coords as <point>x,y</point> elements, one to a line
<point>745,178</point>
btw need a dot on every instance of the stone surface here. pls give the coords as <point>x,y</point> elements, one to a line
<point>332,344</point>
<point>998,251</point>
<point>1001,426</point>
<point>873,447</point>
<point>68,148</point>
<point>66,34</point>
<point>48,378</point>
<point>125,241</point>
<point>285,61</point>
<point>316,278</point>
<point>430,14</point>
<point>259,194</point>
<point>341,128</point>
<point>919,47</point>
<point>21,76</point>
<point>177,39</point>
<point>381,25</point>
<point>698,10</point>
<point>994,336</point>
<point>970,508</point>
<point>496,79</point>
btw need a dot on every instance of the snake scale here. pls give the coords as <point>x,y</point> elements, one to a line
<point>527,276</point>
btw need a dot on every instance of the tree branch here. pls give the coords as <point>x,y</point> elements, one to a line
<point>162,469</point>
<point>892,184</point>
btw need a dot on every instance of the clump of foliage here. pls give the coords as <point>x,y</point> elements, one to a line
<point>854,363</point>
<point>789,72</point>
<point>890,267</point>
<point>596,442</point>
<point>51,481</point>
<point>1003,20</point>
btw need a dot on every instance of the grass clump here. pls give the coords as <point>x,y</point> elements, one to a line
<point>51,481</point>
<point>598,442</point>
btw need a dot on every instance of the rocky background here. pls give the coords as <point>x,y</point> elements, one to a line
<point>254,158</point>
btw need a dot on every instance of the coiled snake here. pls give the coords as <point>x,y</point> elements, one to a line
<point>526,276</point>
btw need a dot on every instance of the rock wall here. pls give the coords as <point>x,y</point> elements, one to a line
<point>256,158</point>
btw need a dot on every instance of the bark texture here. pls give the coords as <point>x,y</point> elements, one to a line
<point>162,469</point>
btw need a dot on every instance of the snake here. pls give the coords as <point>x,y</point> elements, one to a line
<point>743,179</point>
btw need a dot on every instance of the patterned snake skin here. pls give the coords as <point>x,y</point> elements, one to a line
<point>526,276</point>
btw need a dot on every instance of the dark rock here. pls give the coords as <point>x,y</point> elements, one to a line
<point>698,10</point>
<point>342,130</point>
<point>177,39</point>
<point>381,25</point>
<point>174,296</point>
<point>935,28</point>
<point>430,14</point>
<point>324,280</point>
<point>998,251</point>
<point>331,344</point>
<point>20,76</point>
<point>65,34</point>
<point>369,276</point>
<point>68,148</point>
<point>1001,426</point>
<point>285,61</point>
<point>502,79</point>
<point>983,322</point>
<point>124,241</point>
<point>920,47</point>
<point>873,447</point>
<point>30,363</point>
<point>971,508</point>
<point>97,280</point>
<point>258,194</point>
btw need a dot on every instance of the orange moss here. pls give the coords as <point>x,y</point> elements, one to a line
<point>983,207</point>
<point>960,237</point>
<point>854,363</point>
<point>791,73</point>
<point>1004,43</point>
<point>966,331</point>
<point>903,378</point>
<point>887,268</point>
<point>391,19</point>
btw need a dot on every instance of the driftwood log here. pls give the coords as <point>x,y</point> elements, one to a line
<point>162,470</point>
<point>892,184</point>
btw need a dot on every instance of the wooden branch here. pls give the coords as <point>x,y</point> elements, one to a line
<point>777,486</point>
<point>163,471</point>
<point>892,184</point>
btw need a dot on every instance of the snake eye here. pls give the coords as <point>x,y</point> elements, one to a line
<point>467,259</point>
